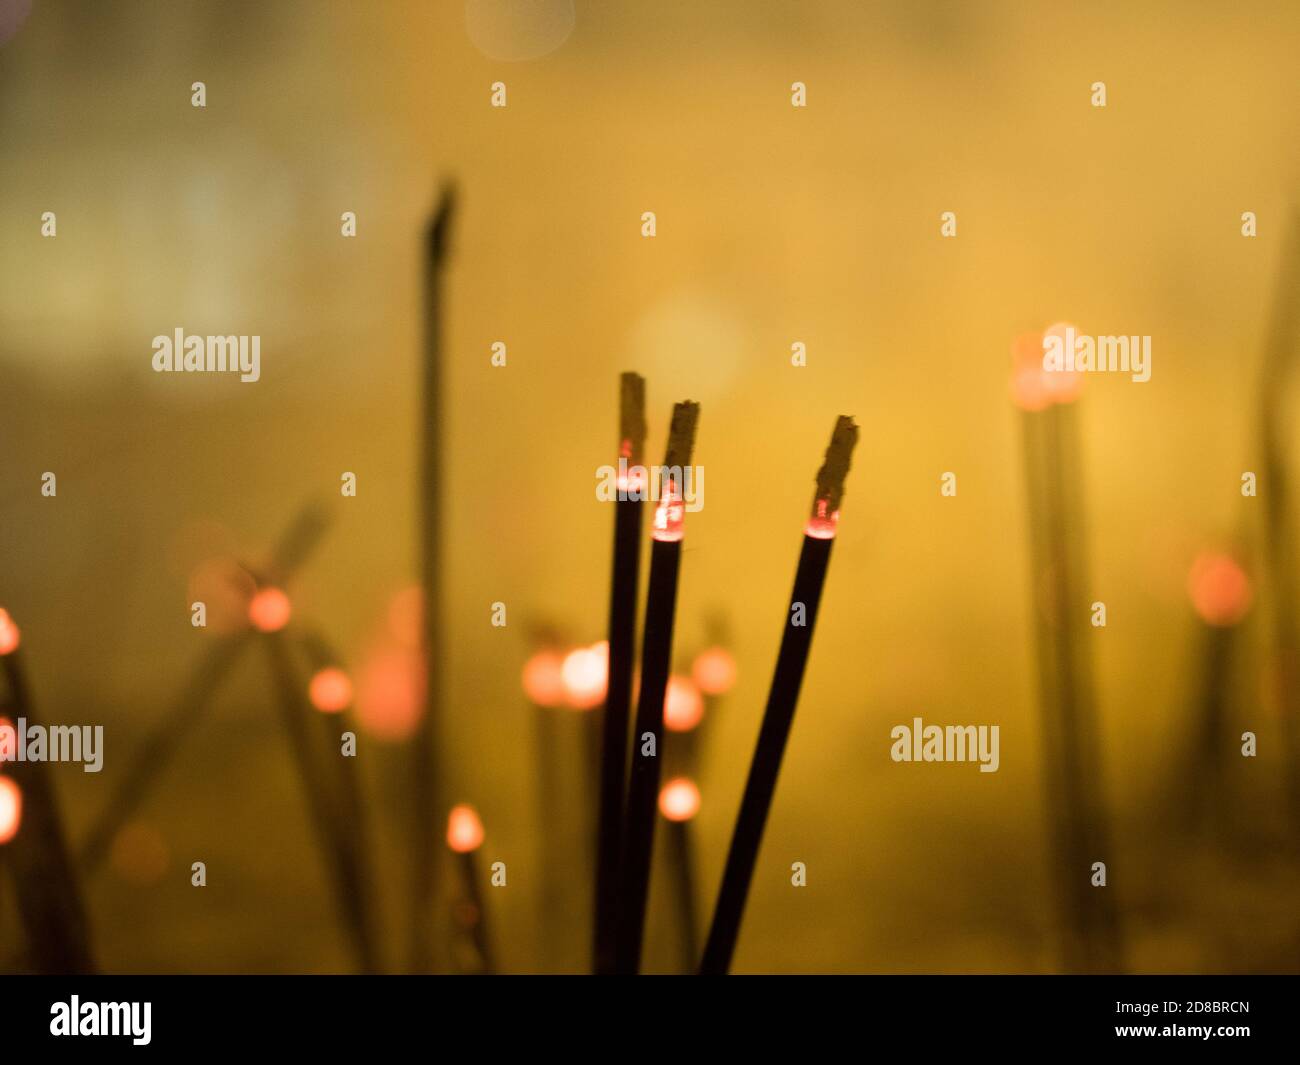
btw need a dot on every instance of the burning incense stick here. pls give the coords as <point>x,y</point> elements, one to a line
<point>679,802</point>
<point>464,837</point>
<point>810,577</point>
<point>326,806</point>
<point>656,658</point>
<point>425,806</point>
<point>47,887</point>
<point>293,549</point>
<point>622,651</point>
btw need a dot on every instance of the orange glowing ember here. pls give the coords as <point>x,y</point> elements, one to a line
<point>8,740</point>
<point>330,690</point>
<point>543,678</point>
<point>683,705</point>
<point>9,634</point>
<point>269,610</point>
<point>670,513</point>
<point>390,691</point>
<point>1034,388</point>
<point>464,829</point>
<point>1219,589</point>
<point>585,675</point>
<point>679,799</point>
<point>11,809</point>
<point>714,671</point>
<point>821,526</point>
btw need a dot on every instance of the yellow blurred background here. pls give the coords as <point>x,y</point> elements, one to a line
<point>775,225</point>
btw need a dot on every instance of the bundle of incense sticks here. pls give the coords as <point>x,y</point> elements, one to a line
<point>47,887</point>
<point>1073,770</point>
<point>796,639</point>
<point>292,550</point>
<point>656,660</point>
<point>622,652</point>
<point>425,805</point>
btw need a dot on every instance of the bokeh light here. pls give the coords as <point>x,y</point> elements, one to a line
<point>714,671</point>
<point>683,705</point>
<point>11,809</point>
<point>10,637</point>
<point>1219,588</point>
<point>464,829</point>
<point>585,674</point>
<point>679,799</point>
<point>330,690</point>
<point>543,678</point>
<point>269,610</point>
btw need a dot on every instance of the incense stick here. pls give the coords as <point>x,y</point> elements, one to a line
<point>810,577</point>
<point>325,806</point>
<point>425,806</point>
<point>656,658</point>
<point>464,837</point>
<point>622,638</point>
<point>47,888</point>
<point>292,550</point>
<point>679,802</point>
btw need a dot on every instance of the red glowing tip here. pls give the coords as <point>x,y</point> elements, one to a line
<point>330,690</point>
<point>670,514</point>
<point>11,809</point>
<point>1219,589</point>
<point>679,799</point>
<point>683,705</point>
<point>714,671</point>
<point>464,829</point>
<point>821,526</point>
<point>585,675</point>
<point>269,610</point>
<point>9,634</point>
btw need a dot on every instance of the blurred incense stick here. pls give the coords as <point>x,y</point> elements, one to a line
<point>292,550</point>
<point>46,885</point>
<point>425,807</point>
<point>1279,551</point>
<point>326,801</point>
<point>1073,770</point>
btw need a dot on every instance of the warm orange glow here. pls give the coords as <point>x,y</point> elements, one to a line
<point>679,799</point>
<point>683,705</point>
<point>269,610</point>
<point>11,809</point>
<point>9,634</point>
<point>1032,387</point>
<point>543,680</point>
<point>464,829</point>
<point>821,526</point>
<point>390,691</point>
<point>1219,589</point>
<point>585,674</point>
<point>330,690</point>
<point>714,671</point>
<point>8,740</point>
<point>670,513</point>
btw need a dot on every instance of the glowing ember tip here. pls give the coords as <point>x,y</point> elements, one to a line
<point>714,671</point>
<point>1219,589</point>
<point>330,690</point>
<point>679,800</point>
<point>683,705</point>
<point>585,675</point>
<point>11,809</point>
<point>464,829</point>
<point>543,678</point>
<point>9,634</point>
<point>269,610</point>
<point>670,513</point>
<point>830,480</point>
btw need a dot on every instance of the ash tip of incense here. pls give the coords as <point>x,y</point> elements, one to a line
<point>440,223</point>
<point>835,467</point>
<point>631,416</point>
<point>681,434</point>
